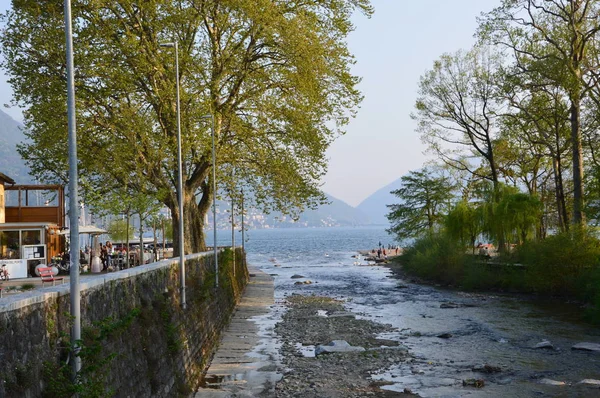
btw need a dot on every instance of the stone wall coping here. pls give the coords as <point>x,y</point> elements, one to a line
<point>40,295</point>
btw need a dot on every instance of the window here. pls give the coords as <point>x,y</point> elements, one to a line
<point>10,246</point>
<point>31,237</point>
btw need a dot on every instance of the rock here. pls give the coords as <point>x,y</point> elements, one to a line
<point>587,347</point>
<point>473,383</point>
<point>591,382</point>
<point>296,276</point>
<point>302,283</point>
<point>544,344</point>
<point>486,368</point>
<point>401,287</point>
<point>336,346</point>
<point>551,382</point>
<point>444,335</point>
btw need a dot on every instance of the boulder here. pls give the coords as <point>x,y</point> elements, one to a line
<point>296,276</point>
<point>551,382</point>
<point>336,346</point>
<point>544,344</point>
<point>587,347</point>
<point>591,382</point>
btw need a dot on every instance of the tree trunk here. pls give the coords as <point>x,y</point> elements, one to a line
<point>127,240</point>
<point>563,217</point>
<point>578,214</point>
<point>193,224</point>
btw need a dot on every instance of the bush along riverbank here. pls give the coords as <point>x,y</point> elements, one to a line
<point>565,265</point>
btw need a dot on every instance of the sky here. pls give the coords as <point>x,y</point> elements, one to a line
<point>393,48</point>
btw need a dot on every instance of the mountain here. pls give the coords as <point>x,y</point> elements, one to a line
<point>375,206</point>
<point>337,212</point>
<point>334,214</point>
<point>11,164</point>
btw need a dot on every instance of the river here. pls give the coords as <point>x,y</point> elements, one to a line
<point>476,328</point>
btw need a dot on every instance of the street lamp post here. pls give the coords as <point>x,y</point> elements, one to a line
<point>214,175</point>
<point>233,234</point>
<point>179,177</point>
<point>74,286</point>
<point>243,240</point>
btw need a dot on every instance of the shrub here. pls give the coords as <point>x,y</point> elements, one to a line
<point>436,257</point>
<point>560,263</point>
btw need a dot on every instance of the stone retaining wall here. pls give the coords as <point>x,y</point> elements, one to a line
<point>138,342</point>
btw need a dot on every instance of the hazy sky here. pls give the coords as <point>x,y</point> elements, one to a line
<point>393,49</point>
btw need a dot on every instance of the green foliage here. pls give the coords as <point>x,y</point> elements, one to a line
<point>435,257</point>
<point>424,197</point>
<point>592,187</point>
<point>567,264</point>
<point>519,215</point>
<point>275,77</point>
<point>91,380</point>
<point>464,223</point>
<point>561,263</point>
<point>27,286</point>
<point>553,45</point>
<point>171,330</point>
<point>119,230</point>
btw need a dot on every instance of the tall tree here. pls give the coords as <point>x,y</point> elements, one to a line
<point>540,119</point>
<point>554,39</point>
<point>456,111</point>
<point>275,76</point>
<point>423,200</point>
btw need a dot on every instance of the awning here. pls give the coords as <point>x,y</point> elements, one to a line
<point>86,229</point>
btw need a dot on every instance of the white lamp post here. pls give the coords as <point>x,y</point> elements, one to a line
<point>179,177</point>
<point>74,286</point>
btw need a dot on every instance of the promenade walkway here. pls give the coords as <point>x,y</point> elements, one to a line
<point>244,365</point>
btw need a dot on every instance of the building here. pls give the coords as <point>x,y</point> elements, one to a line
<point>31,217</point>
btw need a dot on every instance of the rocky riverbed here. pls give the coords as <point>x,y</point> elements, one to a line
<point>422,340</point>
<point>311,321</point>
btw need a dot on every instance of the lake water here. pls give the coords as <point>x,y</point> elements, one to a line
<point>306,246</point>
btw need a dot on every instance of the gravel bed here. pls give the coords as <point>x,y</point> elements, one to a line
<point>313,320</point>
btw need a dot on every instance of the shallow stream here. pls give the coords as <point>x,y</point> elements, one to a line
<point>475,329</point>
<point>479,329</point>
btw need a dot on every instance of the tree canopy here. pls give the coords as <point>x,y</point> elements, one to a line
<point>423,201</point>
<point>275,76</point>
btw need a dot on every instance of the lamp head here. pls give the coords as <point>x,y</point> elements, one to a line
<point>169,44</point>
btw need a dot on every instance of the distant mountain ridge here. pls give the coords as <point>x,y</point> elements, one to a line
<point>11,163</point>
<point>375,206</point>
